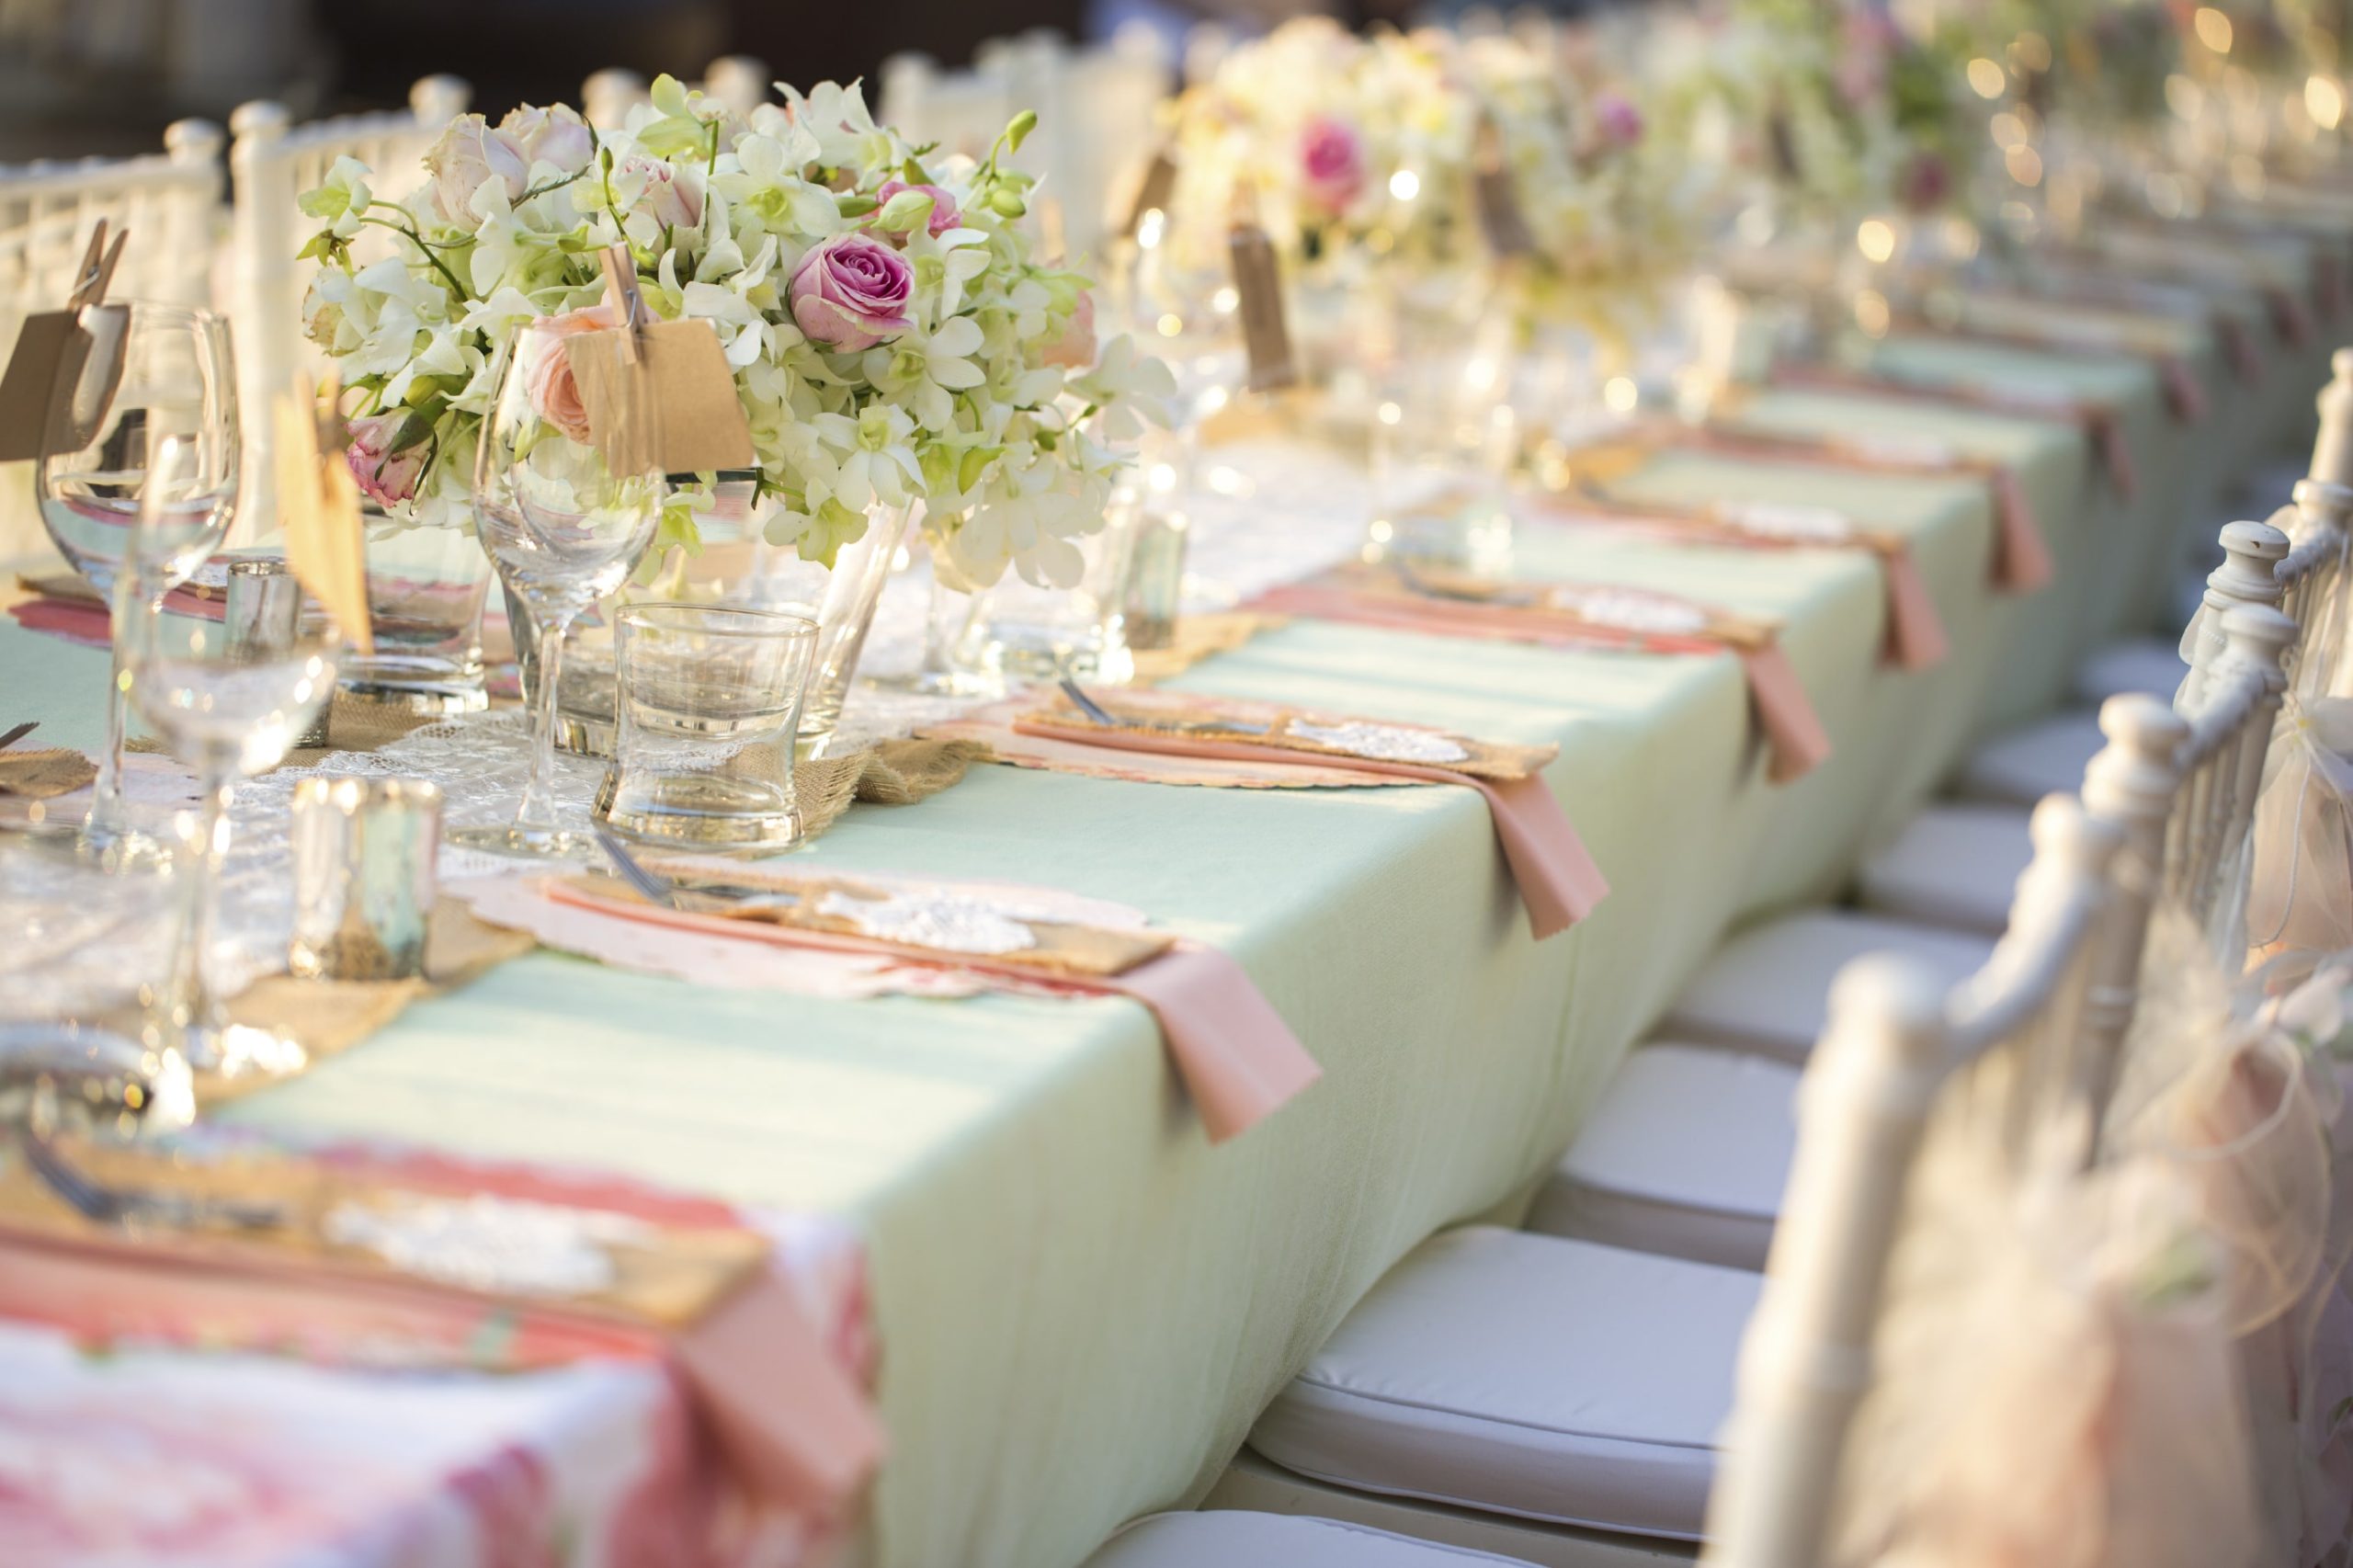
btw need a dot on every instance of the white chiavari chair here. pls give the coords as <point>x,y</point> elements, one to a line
<point>1558,1399</point>
<point>742,82</point>
<point>608,95</point>
<point>1111,100</point>
<point>1230,1539</point>
<point>169,204</point>
<point>1896,1039</point>
<point>273,161</point>
<point>957,111</point>
<point>1687,1151</point>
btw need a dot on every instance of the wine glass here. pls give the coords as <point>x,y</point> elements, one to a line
<point>564,530</point>
<point>156,375</point>
<point>229,707</point>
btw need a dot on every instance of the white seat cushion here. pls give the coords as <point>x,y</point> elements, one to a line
<point>2046,757</point>
<point>1685,1155</point>
<point>2150,666</point>
<point>1953,865</point>
<point>1767,989</point>
<point>1274,1541</point>
<point>1525,1376</point>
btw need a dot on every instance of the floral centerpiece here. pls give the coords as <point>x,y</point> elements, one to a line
<point>894,339</point>
<point>1610,214</point>
<point>1347,149</point>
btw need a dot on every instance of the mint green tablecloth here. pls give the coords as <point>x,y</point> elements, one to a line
<point>1082,1306</point>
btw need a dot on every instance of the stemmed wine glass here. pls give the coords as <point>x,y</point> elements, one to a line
<point>229,708</point>
<point>564,530</point>
<point>133,531</point>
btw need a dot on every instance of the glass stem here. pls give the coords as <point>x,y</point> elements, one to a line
<point>946,622</point>
<point>538,810</point>
<point>188,1002</point>
<point>107,818</point>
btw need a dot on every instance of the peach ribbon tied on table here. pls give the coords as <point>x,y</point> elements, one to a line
<point>1239,1061</point>
<point>1575,615</point>
<point>1915,632</point>
<point>340,1255</point>
<point>2103,431</point>
<point>1559,883</point>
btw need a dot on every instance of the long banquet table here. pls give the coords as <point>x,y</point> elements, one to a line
<point>1080,1304</point>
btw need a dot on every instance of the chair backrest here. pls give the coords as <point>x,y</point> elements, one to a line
<point>273,161</point>
<point>1895,1037</point>
<point>960,111</point>
<point>1099,112</point>
<point>169,204</point>
<point>608,95</point>
<point>2165,806</point>
<point>742,82</point>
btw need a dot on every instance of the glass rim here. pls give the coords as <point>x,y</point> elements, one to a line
<point>711,620</point>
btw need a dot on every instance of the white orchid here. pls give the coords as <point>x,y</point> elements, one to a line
<point>949,370</point>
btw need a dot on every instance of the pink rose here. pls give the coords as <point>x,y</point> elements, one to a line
<point>1074,347</point>
<point>469,157</point>
<point>672,198</point>
<point>1926,182</point>
<point>944,215</point>
<point>548,379</point>
<point>385,477</point>
<point>1871,41</point>
<point>556,135</point>
<point>1620,122</point>
<point>1331,164</point>
<point>851,293</point>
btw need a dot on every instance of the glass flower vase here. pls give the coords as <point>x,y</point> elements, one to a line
<point>839,597</point>
<point>1028,633</point>
<point>425,590</point>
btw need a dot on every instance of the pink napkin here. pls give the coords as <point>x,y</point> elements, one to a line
<point>1793,731</point>
<point>788,1420</point>
<point>1239,1061</point>
<point>1916,639</point>
<point>77,620</point>
<point>2021,558</point>
<point>1785,713</point>
<point>1559,883</point>
<point>2184,395</point>
<point>2290,317</point>
<point>2238,347</point>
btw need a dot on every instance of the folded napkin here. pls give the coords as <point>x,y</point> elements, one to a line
<point>363,1254</point>
<point>1238,1059</point>
<point>1575,615</point>
<point>2021,559</point>
<point>1915,632</point>
<point>2103,431</point>
<point>66,606</point>
<point>1558,881</point>
<point>44,774</point>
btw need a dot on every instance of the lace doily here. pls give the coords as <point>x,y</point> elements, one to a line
<point>948,922</point>
<point>490,1243</point>
<point>1385,743</point>
<point>1630,611</point>
<point>1790,522</point>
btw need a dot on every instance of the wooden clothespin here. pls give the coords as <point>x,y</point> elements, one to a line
<point>660,394</point>
<point>97,272</point>
<point>626,300</point>
<point>49,398</point>
<point>1258,288</point>
<point>318,507</point>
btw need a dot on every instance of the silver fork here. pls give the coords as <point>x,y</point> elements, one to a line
<point>1096,713</point>
<point>708,898</point>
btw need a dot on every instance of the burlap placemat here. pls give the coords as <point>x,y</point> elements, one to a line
<point>1198,637</point>
<point>45,774</point>
<point>329,1016</point>
<point>890,773</point>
